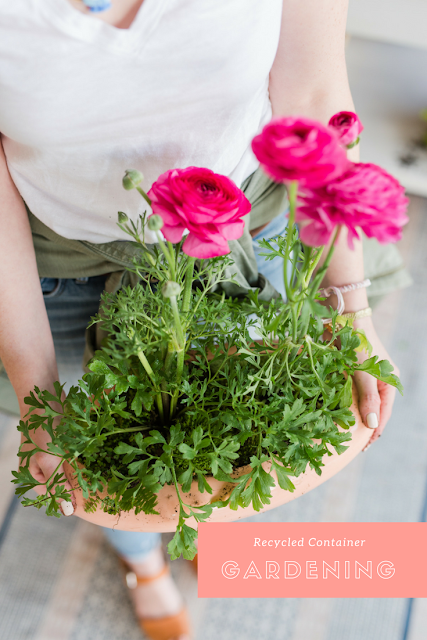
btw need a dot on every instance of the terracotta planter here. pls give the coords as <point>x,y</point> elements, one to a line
<point>168,501</point>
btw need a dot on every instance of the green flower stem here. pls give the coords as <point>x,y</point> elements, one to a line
<point>290,291</point>
<point>177,320</point>
<point>180,351</point>
<point>295,315</point>
<point>309,269</point>
<point>49,490</point>
<point>168,364</point>
<point>188,283</point>
<point>173,256</point>
<point>181,504</point>
<point>292,192</point>
<point>39,450</point>
<point>143,360</point>
<point>169,357</point>
<point>288,371</point>
<point>169,255</point>
<point>144,195</point>
<point>321,273</point>
<point>165,398</point>
<point>309,341</point>
<point>308,252</point>
<point>173,404</point>
<point>131,430</point>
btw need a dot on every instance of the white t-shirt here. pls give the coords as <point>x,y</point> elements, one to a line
<point>81,101</point>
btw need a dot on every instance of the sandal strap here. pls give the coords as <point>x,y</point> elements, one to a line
<point>133,580</point>
<point>166,628</point>
<point>195,563</point>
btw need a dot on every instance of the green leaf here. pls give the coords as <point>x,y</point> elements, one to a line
<point>236,495</point>
<point>136,405</point>
<point>203,484</point>
<point>124,448</point>
<point>230,420</point>
<point>187,452</point>
<point>176,435</point>
<point>136,466</point>
<point>266,482</point>
<point>283,477</point>
<point>186,478</point>
<point>122,385</point>
<point>55,449</point>
<point>117,486</point>
<point>220,475</point>
<point>183,543</point>
<point>155,438</point>
<point>381,370</point>
<point>99,367</point>
<point>365,345</point>
<point>197,436</point>
<point>346,395</point>
<point>32,401</point>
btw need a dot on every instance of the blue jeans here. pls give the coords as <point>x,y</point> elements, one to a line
<point>70,303</point>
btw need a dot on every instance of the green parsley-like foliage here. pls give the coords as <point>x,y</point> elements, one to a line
<point>181,391</point>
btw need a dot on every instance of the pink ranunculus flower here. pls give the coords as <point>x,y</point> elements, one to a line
<point>209,205</point>
<point>300,149</point>
<point>348,127</point>
<point>365,197</point>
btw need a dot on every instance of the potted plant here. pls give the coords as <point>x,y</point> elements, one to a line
<point>199,401</point>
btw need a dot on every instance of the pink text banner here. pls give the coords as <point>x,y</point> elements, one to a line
<point>313,560</point>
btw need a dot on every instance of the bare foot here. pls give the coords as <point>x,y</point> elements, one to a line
<point>159,598</point>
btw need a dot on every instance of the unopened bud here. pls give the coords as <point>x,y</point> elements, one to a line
<point>123,218</point>
<point>155,222</point>
<point>171,289</point>
<point>131,179</point>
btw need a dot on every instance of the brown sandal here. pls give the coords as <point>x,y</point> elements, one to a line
<point>164,628</point>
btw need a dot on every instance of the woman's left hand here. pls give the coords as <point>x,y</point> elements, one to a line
<point>376,398</point>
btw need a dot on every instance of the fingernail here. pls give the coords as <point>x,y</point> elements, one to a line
<point>372,420</point>
<point>67,508</point>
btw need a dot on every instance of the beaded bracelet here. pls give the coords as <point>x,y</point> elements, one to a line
<point>355,315</point>
<point>338,291</point>
<point>345,288</point>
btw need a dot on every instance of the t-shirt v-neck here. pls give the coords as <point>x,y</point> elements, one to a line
<point>97,32</point>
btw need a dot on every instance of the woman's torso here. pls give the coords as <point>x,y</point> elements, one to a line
<point>81,100</point>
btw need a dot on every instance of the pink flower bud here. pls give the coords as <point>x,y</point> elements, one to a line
<point>348,127</point>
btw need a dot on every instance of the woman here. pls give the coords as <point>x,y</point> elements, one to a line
<point>145,84</point>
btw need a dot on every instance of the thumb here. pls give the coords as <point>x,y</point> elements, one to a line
<point>369,399</point>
